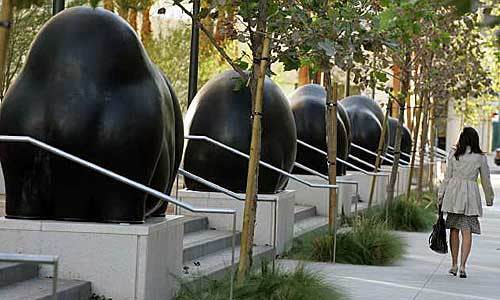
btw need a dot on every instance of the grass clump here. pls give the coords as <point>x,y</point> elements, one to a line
<point>406,214</point>
<point>368,242</point>
<point>297,284</point>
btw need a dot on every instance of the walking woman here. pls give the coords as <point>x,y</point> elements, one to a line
<point>460,198</point>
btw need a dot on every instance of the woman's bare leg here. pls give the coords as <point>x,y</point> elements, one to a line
<point>454,244</point>
<point>466,245</point>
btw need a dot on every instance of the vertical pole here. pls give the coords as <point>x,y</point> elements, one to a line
<point>374,83</point>
<point>331,142</point>
<point>233,265</point>
<point>194,54</point>
<point>347,87</point>
<point>57,6</point>
<point>248,228</point>
<point>54,280</point>
<point>5,24</point>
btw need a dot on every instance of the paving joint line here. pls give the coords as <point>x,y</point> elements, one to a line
<point>429,278</point>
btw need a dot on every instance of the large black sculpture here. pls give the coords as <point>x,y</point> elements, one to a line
<point>89,88</point>
<point>222,111</point>
<point>308,106</point>
<point>406,141</point>
<point>366,118</point>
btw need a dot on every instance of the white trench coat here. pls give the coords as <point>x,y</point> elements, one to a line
<point>459,191</point>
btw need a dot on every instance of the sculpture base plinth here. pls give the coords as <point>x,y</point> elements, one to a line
<point>264,225</point>
<point>122,261</point>
<point>318,197</point>
<point>365,183</point>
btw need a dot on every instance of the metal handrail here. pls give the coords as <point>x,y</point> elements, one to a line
<point>440,151</point>
<point>36,259</point>
<point>384,157</point>
<point>323,176</point>
<point>234,195</point>
<point>111,174</point>
<point>341,160</point>
<point>127,181</point>
<point>267,165</point>
<point>402,153</point>
<point>211,184</point>
<point>365,163</point>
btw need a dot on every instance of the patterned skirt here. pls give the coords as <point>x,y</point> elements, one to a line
<point>463,222</point>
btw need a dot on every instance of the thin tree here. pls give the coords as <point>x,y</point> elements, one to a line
<point>5,24</point>
<point>254,16</point>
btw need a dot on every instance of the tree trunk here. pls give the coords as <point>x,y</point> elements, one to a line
<point>317,78</point>
<point>396,89</point>
<point>432,145</point>
<point>405,87</point>
<point>304,76</point>
<point>423,143</point>
<point>132,18</point>
<point>380,149</point>
<point>261,48</point>
<point>6,17</point>
<point>373,81</point>
<point>109,5</point>
<point>409,115</point>
<point>146,24</point>
<point>331,142</point>
<point>416,131</point>
<point>347,87</point>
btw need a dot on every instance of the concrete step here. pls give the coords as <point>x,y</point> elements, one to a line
<point>304,212</point>
<point>309,224</point>
<point>14,272</point>
<point>205,242</point>
<point>218,264</point>
<point>194,223</point>
<point>41,289</point>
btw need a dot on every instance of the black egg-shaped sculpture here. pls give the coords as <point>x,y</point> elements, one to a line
<point>406,141</point>
<point>366,118</point>
<point>222,111</point>
<point>89,88</point>
<point>308,105</point>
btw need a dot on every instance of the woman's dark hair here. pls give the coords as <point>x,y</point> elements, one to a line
<point>468,138</point>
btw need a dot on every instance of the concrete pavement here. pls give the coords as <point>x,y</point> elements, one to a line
<point>422,274</point>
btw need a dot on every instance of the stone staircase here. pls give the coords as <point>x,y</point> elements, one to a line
<point>21,282</point>
<point>207,251</point>
<point>307,220</point>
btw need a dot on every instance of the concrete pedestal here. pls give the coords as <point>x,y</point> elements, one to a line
<point>425,177</point>
<point>318,197</point>
<point>264,225</point>
<point>403,177</point>
<point>122,262</point>
<point>365,182</point>
<point>2,181</point>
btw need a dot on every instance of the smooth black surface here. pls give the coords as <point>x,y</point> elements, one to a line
<point>308,105</point>
<point>366,118</point>
<point>88,88</point>
<point>222,112</point>
<point>406,140</point>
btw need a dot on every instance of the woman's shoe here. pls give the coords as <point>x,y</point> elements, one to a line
<point>453,271</point>
<point>463,274</point>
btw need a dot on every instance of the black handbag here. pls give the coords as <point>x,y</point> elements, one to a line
<point>437,240</point>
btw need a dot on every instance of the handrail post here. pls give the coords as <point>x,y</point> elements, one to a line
<point>54,280</point>
<point>233,264</point>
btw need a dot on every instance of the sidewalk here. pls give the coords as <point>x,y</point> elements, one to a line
<point>422,274</point>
